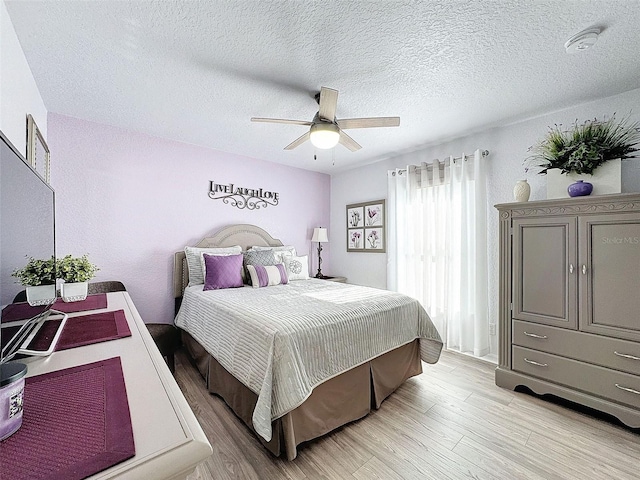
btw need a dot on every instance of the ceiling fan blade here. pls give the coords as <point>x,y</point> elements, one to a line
<point>349,142</point>
<point>280,120</point>
<point>370,122</point>
<point>328,103</point>
<point>297,142</point>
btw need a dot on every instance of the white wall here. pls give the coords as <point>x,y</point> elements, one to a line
<point>19,94</point>
<point>508,149</point>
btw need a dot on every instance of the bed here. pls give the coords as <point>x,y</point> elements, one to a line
<point>299,360</point>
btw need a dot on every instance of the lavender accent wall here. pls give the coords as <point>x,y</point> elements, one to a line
<point>131,200</point>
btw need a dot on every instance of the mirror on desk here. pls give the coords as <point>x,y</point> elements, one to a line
<point>27,218</point>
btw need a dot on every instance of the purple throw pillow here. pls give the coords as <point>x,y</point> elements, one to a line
<point>222,271</point>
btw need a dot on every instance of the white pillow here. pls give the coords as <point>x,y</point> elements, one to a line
<point>279,252</point>
<point>297,267</point>
<point>195,260</point>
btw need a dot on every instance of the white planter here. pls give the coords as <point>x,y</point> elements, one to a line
<point>606,179</point>
<point>74,292</point>
<point>41,295</point>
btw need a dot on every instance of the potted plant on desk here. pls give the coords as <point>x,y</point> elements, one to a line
<point>39,278</point>
<point>587,152</point>
<point>75,273</point>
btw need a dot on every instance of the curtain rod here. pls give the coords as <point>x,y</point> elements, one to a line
<point>483,153</point>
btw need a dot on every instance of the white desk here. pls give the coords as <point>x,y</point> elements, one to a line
<point>168,439</point>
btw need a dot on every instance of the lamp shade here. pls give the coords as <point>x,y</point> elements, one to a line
<point>324,135</point>
<point>320,235</point>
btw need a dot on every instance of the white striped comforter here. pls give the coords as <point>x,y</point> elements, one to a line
<point>282,341</point>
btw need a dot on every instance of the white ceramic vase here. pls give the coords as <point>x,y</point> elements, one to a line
<point>74,292</point>
<point>521,191</point>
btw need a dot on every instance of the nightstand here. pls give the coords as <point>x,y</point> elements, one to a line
<point>335,279</point>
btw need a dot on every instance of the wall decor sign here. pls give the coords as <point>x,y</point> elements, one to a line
<point>38,155</point>
<point>242,197</point>
<point>366,227</point>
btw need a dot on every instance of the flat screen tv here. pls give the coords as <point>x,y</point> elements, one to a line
<point>27,224</point>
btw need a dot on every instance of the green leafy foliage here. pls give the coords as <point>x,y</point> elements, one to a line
<point>586,146</point>
<point>44,272</point>
<point>37,272</point>
<point>76,269</point>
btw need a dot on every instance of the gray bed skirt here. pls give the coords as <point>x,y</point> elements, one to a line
<point>336,402</point>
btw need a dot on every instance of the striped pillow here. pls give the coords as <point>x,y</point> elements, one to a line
<point>267,275</point>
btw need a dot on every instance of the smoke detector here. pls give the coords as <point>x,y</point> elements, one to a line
<point>582,41</point>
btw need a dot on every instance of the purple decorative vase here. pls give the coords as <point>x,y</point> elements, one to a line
<point>580,189</point>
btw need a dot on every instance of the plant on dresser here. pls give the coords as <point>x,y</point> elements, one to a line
<point>39,276</point>
<point>569,303</point>
<point>584,147</point>
<point>76,269</point>
<point>586,157</point>
<point>36,272</point>
<point>75,272</point>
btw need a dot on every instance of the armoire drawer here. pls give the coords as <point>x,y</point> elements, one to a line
<point>610,384</point>
<point>605,351</point>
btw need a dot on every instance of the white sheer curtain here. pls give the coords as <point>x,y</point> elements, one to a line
<point>438,246</point>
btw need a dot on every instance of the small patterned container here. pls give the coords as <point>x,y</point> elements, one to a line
<point>580,189</point>
<point>11,397</point>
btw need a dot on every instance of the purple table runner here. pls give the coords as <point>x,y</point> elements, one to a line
<point>21,311</point>
<point>78,331</point>
<point>76,422</point>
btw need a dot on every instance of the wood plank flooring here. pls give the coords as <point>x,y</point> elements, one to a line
<point>451,422</point>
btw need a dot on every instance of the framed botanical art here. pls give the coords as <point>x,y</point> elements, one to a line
<point>374,239</point>
<point>38,155</point>
<point>355,217</point>
<point>356,239</point>
<point>366,224</point>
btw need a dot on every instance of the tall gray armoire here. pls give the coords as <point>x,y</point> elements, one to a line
<point>570,301</point>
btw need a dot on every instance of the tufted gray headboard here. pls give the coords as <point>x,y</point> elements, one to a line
<point>244,235</point>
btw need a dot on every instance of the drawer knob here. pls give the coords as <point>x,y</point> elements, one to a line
<point>584,269</point>
<point>571,268</point>
<point>538,364</point>
<point>537,336</point>
<point>626,355</point>
<point>627,389</point>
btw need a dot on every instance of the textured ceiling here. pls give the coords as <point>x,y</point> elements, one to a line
<point>196,71</point>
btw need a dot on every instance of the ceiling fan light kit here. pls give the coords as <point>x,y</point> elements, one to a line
<point>326,131</point>
<point>324,135</point>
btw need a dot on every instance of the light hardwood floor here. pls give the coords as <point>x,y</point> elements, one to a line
<point>450,422</point>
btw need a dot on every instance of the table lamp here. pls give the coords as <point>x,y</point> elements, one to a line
<point>320,236</point>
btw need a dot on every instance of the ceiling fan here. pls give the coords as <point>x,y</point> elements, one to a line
<point>326,130</point>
